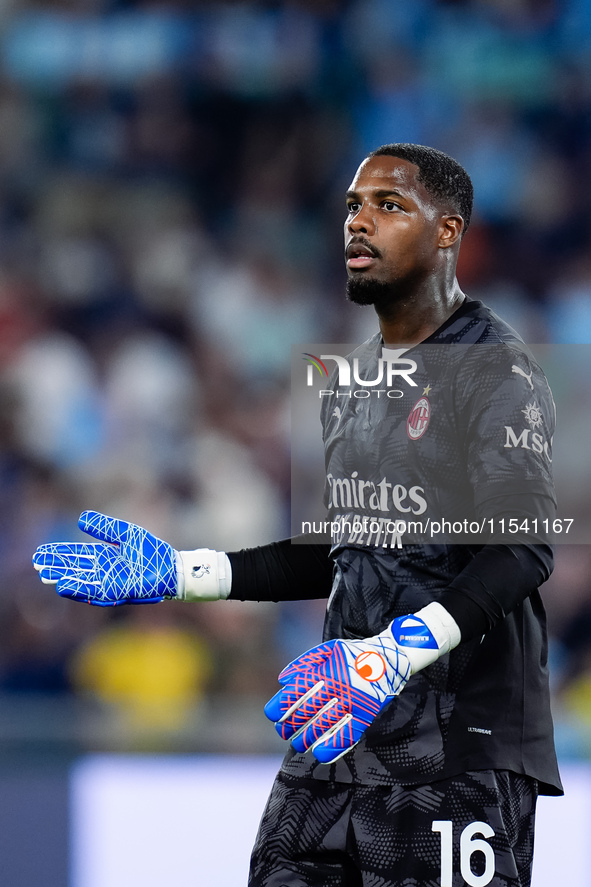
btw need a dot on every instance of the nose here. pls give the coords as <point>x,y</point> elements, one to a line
<point>362,222</point>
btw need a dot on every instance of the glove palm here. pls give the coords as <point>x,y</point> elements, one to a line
<point>128,565</point>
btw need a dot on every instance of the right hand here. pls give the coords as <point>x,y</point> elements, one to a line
<point>128,565</point>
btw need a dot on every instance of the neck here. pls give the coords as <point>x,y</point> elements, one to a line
<point>411,320</point>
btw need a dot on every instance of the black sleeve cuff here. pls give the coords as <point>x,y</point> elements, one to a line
<point>497,580</point>
<point>281,571</point>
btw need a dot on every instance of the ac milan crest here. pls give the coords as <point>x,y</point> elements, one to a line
<point>417,422</point>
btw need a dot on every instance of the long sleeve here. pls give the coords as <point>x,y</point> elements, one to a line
<point>281,571</point>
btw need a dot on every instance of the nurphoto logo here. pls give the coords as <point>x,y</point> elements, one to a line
<point>389,369</point>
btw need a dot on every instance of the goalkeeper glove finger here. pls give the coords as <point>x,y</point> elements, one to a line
<point>130,565</point>
<point>332,693</point>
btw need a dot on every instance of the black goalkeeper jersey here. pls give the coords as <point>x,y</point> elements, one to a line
<point>419,482</point>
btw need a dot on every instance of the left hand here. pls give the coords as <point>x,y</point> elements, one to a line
<point>332,693</point>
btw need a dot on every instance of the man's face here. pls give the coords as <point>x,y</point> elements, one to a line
<point>391,231</point>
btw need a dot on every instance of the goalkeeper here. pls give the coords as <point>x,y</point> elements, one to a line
<point>420,729</point>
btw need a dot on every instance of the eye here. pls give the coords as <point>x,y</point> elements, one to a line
<point>353,208</point>
<point>390,206</point>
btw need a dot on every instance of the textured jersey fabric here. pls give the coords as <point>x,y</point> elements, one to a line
<point>472,435</point>
<point>316,834</point>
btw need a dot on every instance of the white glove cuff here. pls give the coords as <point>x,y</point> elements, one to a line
<point>203,575</point>
<point>444,630</point>
<point>442,626</point>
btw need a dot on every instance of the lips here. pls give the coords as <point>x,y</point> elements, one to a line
<point>360,255</point>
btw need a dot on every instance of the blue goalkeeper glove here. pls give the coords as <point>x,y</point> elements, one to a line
<point>130,566</point>
<point>332,693</point>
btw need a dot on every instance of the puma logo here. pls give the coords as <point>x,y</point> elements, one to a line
<point>520,372</point>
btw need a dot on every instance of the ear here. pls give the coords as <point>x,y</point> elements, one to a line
<point>450,230</point>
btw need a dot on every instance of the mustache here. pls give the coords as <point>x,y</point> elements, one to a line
<point>365,243</point>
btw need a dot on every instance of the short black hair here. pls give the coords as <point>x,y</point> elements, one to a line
<point>443,177</point>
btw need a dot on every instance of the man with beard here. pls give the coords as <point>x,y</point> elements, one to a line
<point>420,728</point>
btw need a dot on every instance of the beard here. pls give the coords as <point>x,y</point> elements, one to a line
<point>368,291</point>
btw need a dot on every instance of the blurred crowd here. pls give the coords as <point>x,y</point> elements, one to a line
<point>171,208</point>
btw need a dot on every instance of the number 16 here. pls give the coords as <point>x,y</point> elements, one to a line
<point>468,845</point>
